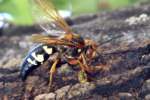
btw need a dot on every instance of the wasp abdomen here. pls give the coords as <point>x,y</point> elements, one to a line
<point>35,58</point>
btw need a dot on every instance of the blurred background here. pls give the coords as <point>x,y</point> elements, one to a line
<point>121,28</point>
<point>19,11</point>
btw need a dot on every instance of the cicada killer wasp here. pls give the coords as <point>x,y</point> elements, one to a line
<point>71,48</point>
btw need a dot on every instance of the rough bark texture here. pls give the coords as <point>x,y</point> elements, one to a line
<point>124,42</point>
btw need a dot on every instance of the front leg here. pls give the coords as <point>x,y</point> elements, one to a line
<point>82,76</point>
<point>86,67</point>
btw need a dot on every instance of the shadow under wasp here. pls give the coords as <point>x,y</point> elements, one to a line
<point>70,48</point>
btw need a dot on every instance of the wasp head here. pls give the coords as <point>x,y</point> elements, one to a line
<point>90,48</point>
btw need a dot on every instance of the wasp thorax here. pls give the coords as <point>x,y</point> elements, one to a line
<point>73,52</point>
<point>78,40</point>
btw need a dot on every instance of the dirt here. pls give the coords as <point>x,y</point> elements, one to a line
<point>123,37</point>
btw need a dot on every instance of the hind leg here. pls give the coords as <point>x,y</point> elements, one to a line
<point>52,72</point>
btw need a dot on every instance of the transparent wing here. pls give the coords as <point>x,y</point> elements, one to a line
<point>37,38</point>
<point>46,15</point>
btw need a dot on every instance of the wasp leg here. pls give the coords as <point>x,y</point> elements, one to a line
<point>52,71</point>
<point>82,76</point>
<point>85,65</point>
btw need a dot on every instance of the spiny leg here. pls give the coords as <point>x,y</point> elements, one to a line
<point>85,65</point>
<point>93,69</point>
<point>82,76</point>
<point>52,71</point>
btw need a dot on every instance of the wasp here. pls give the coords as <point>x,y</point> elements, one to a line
<point>68,48</point>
